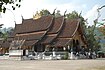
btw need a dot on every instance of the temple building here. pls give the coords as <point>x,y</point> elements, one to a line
<point>49,33</point>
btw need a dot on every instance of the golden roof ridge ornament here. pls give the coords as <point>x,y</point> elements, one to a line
<point>37,15</point>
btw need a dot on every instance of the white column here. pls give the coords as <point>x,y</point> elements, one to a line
<point>71,54</point>
<point>54,52</point>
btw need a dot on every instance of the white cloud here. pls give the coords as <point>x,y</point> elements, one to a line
<point>91,15</point>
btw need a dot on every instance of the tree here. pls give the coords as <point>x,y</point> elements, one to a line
<point>6,32</point>
<point>1,34</point>
<point>92,35</point>
<point>14,3</point>
<point>72,15</point>
<point>102,29</point>
<point>93,43</point>
<point>41,13</point>
<point>10,31</point>
<point>57,14</point>
<point>44,12</point>
<point>98,16</point>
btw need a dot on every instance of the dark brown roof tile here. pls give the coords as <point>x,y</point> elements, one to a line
<point>56,25</point>
<point>50,36</point>
<point>48,39</point>
<point>34,25</point>
<point>30,36</point>
<point>69,28</point>
<point>67,32</point>
<point>29,43</point>
<point>61,42</point>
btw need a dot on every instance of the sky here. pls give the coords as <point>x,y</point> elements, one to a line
<point>29,7</point>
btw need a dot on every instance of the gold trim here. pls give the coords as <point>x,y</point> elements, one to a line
<point>30,33</point>
<point>52,35</point>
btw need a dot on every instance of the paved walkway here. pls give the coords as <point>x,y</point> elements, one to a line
<point>53,65</point>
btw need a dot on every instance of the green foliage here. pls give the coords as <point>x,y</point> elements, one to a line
<point>74,15</point>
<point>5,36</point>
<point>102,29</point>
<point>44,12</point>
<point>93,43</point>
<point>65,57</point>
<point>57,14</point>
<point>5,32</point>
<point>1,34</point>
<point>7,2</point>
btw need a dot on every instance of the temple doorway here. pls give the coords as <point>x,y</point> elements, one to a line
<point>39,48</point>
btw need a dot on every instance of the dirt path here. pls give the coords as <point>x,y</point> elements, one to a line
<point>53,65</point>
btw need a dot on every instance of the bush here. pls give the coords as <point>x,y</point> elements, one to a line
<point>65,57</point>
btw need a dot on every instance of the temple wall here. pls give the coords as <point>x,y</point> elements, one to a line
<point>4,50</point>
<point>78,37</point>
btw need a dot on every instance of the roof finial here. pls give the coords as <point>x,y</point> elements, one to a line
<point>22,18</point>
<point>65,13</point>
<point>15,22</point>
<point>54,11</point>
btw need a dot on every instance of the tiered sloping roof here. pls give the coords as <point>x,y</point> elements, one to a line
<point>32,30</point>
<point>32,25</point>
<point>47,30</point>
<point>69,29</point>
<point>53,31</point>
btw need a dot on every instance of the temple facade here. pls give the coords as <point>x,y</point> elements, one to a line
<point>47,34</point>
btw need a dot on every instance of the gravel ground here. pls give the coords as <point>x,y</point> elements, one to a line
<point>98,64</point>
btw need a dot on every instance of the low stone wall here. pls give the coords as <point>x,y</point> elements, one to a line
<point>4,57</point>
<point>15,54</point>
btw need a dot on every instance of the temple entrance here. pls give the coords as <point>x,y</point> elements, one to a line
<point>76,46</point>
<point>39,48</point>
<point>24,52</point>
